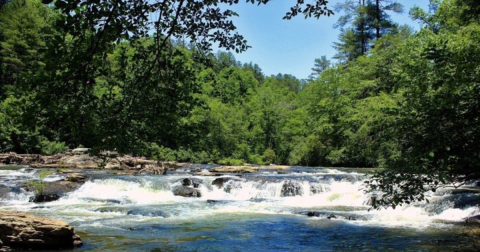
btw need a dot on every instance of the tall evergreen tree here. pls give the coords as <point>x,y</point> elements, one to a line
<point>369,21</point>
<point>320,65</point>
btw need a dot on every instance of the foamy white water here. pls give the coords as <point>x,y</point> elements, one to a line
<point>113,203</point>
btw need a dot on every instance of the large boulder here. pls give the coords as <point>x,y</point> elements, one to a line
<point>291,188</point>
<point>40,198</point>
<point>192,182</point>
<point>22,231</point>
<point>82,161</point>
<point>219,182</point>
<point>186,191</point>
<point>54,190</point>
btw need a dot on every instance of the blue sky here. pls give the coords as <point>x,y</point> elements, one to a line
<point>291,46</point>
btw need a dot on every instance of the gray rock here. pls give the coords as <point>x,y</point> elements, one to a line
<point>79,151</point>
<point>219,182</point>
<point>291,188</point>
<point>186,191</point>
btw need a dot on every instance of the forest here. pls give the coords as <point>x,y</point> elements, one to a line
<point>98,74</point>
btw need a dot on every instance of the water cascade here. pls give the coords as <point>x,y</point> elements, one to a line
<point>296,210</point>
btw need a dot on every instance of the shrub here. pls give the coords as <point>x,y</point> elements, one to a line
<point>231,161</point>
<point>269,156</point>
<point>256,159</point>
<point>52,148</point>
<point>40,184</point>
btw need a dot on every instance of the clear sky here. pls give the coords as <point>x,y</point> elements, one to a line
<point>291,46</point>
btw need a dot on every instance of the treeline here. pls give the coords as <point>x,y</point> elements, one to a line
<point>398,99</point>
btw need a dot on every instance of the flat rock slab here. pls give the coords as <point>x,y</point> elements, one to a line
<point>19,230</point>
<point>235,169</point>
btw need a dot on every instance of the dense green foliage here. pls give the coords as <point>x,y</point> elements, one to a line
<point>89,76</point>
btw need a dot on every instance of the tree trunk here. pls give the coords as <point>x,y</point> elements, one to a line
<point>377,27</point>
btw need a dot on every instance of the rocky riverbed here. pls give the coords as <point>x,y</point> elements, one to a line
<point>183,207</point>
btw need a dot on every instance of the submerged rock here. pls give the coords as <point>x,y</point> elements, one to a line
<point>221,202</point>
<point>148,213</point>
<point>4,191</point>
<point>26,232</point>
<point>329,216</point>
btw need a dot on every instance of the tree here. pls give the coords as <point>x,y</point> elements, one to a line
<point>78,62</point>
<point>382,22</point>
<point>320,65</point>
<point>369,22</point>
<point>437,79</point>
<point>24,31</point>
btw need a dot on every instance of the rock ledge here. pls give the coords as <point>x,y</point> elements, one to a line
<point>23,231</point>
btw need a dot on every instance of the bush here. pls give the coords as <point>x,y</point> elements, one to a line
<point>231,161</point>
<point>269,156</point>
<point>256,159</point>
<point>160,153</point>
<point>52,148</point>
<point>201,158</point>
<point>40,184</point>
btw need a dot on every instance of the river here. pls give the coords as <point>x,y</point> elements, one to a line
<point>265,211</point>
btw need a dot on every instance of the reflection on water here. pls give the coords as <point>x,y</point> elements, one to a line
<point>256,212</point>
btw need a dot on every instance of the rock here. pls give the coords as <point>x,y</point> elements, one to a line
<point>10,158</point>
<point>331,216</point>
<point>21,231</point>
<point>222,202</point>
<point>148,213</point>
<point>4,191</point>
<point>76,177</point>
<point>473,220</point>
<point>189,182</point>
<point>291,188</point>
<point>235,169</point>
<point>205,173</point>
<point>60,187</point>
<point>193,182</point>
<point>186,191</point>
<point>316,188</point>
<point>39,198</point>
<point>79,161</point>
<point>80,151</point>
<point>219,182</point>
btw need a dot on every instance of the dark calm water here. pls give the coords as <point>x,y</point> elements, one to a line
<point>261,212</point>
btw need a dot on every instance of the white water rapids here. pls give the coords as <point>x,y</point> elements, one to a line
<point>110,204</point>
